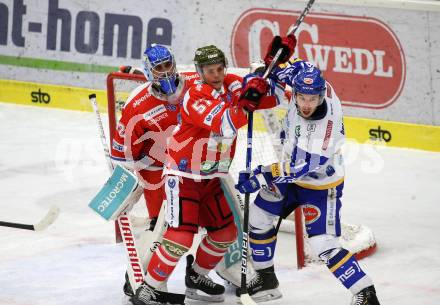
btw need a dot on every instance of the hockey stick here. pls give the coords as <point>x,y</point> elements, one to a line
<point>244,296</point>
<point>46,221</point>
<point>136,270</point>
<point>292,31</point>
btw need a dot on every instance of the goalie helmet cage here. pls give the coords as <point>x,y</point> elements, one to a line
<point>356,238</point>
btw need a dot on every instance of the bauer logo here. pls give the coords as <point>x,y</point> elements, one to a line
<point>360,56</point>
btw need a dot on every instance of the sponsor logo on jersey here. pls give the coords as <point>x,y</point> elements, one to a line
<point>212,114</point>
<point>380,134</point>
<point>117,146</point>
<point>154,111</point>
<point>155,120</point>
<point>183,164</point>
<point>372,60</point>
<point>235,85</point>
<point>138,101</point>
<point>311,213</point>
<point>308,81</point>
<point>311,127</point>
<point>328,135</point>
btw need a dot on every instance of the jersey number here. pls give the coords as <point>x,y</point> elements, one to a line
<point>201,105</point>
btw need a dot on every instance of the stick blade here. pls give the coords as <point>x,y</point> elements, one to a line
<point>50,217</point>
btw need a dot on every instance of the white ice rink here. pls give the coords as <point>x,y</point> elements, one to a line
<point>53,157</point>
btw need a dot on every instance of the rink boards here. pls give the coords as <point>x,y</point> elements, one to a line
<point>361,130</point>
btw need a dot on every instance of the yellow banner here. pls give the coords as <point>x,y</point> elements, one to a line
<point>42,95</point>
<point>397,134</point>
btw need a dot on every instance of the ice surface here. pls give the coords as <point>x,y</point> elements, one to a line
<point>54,157</point>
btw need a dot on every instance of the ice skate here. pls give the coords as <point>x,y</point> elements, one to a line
<point>366,296</point>
<point>201,287</point>
<point>264,286</point>
<point>147,295</point>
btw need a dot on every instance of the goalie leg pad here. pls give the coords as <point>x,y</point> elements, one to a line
<point>174,245</point>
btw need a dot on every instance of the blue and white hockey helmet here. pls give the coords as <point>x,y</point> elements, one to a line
<point>310,81</point>
<point>160,68</point>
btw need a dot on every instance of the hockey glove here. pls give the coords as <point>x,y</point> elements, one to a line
<point>251,184</point>
<point>252,92</point>
<point>288,45</point>
<point>130,70</point>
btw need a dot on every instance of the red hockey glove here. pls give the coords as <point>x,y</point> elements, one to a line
<point>288,45</point>
<point>251,94</point>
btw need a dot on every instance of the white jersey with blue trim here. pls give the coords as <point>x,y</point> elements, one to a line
<point>312,148</point>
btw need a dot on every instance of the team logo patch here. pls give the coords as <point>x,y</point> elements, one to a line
<point>311,213</point>
<point>183,164</point>
<point>297,131</point>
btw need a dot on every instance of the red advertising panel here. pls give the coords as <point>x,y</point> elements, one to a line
<point>360,56</point>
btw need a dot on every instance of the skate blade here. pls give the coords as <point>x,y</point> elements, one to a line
<point>195,294</point>
<point>266,296</point>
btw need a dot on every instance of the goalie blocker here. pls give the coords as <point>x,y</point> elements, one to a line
<point>119,194</point>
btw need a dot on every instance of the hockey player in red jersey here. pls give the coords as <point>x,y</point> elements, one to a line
<point>148,118</point>
<point>199,152</point>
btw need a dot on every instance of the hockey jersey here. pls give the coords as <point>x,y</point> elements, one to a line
<point>203,144</point>
<point>148,119</point>
<point>312,147</point>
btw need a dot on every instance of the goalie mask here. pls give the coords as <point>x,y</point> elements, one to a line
<point>160,68</point>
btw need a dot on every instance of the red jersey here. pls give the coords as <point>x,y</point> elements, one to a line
<point>147,120</point>
<point>203,144</point>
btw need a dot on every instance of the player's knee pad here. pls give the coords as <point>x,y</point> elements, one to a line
<point>176,243</point>
<point>260,221</point>
<point>224,237</point>
<point>324,246</point>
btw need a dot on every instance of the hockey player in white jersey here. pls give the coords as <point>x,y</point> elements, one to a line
<point>311,176</point>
